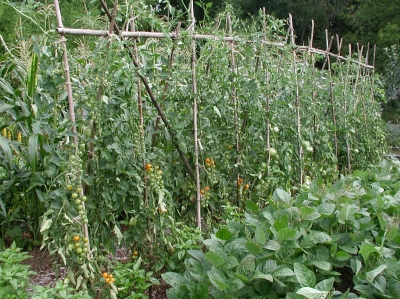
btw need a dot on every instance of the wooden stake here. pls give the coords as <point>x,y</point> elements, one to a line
<point>125,34</point>
<point>71,107</point>
<point>267,108</point>
<point>297,103</point>
<point>192,20</point>
<point>235,105</point>
<point>140,110</point>
<point>335,138</point>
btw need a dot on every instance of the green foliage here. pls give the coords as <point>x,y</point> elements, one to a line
<point>305,246</point>
<point>14,277</point>
<point>269,121</point>
<point>392,80</point>
<point>132,281</point>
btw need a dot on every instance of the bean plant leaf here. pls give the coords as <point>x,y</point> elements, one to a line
<point>173,279</point>
<point>214,259</point>
<point>311,293</point>
<point>286,234</point>
<point>326,209</point>
<point>231,262</point>
<point>374,273</point>
<point>342,255</point>
<point>253,248</point>
<point>247,266</point>
<point>366,250</point>
<point>325,285</point>
<point>252,206</point>
<point>281,195</point>
<point>315,237</point>
<point>305,276</point>
<point>235,284</point>
<point>260,235</point>
<point>259,275</point>
<point>201,290</point>
<point>380,283</point>
<point>323,265</point>
<point>224,234</point>
<point>308,213</point>
<point>218,279</point>
<point>283,272</point>
<point>347,212</point>
<point>196,254</point>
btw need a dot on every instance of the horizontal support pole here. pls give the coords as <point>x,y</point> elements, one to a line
<point>174,35</point>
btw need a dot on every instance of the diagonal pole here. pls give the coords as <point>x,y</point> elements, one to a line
<point>152,97</point>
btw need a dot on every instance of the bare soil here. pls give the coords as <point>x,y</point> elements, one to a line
<point>49,269</point>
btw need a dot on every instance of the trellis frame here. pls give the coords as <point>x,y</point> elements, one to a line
<point>190,33</point>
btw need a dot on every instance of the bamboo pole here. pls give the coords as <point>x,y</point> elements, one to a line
<point>327,51</point>
<point>297,103</point>
<point>235,104</point>
<point>313,90</point>
<point>138,34</point>
<point>347,135</point>
<point>71,107</point>
<point>267,108</point>
<point>335,138</point>
<point>140,110</point>
<point>153,99</point>
<point>192,20</point>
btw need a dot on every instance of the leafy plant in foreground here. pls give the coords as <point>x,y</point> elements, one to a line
<point>14,277</point>
<point>306,246</point>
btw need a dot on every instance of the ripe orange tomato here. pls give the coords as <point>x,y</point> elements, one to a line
<point>208,160</point>
<point>202,191</point>
<point>76,238</point>
<point>207,188</point>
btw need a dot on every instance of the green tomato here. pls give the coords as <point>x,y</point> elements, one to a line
<point>272,152</point>
<point>87,132</point>
<point>78,201</point>
<point>74,195</point>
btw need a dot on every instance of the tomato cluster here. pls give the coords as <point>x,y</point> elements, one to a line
<point>205,196</point>
<point>78,245</point>
<point>154,175</point>
<point>108,278</point>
